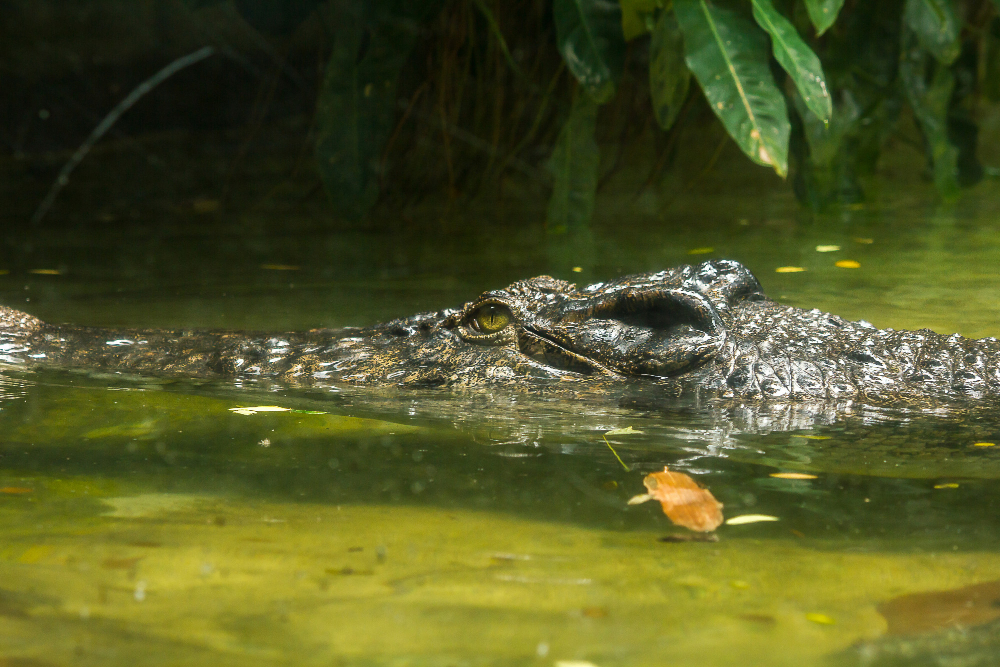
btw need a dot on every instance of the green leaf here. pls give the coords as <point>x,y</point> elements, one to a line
<point>590,39</point>
<point>669,77</point>
<point>728,55</point>
<point>936,27</point>
<point>795,56</point>
<point>930,101</point>
<point>823,13</point>
<point>356,107</point>
<point>574,165</point>
<point>638,16</point>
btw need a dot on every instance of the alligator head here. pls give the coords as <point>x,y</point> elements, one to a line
<point>706,329</point>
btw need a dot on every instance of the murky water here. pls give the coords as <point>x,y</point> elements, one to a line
<point>143,520</point>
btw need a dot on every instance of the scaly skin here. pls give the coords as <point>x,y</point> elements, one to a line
<point>707,330</point>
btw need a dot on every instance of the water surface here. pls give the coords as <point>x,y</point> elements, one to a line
<point>145,520</point>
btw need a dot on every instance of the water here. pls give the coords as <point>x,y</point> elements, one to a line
<point>144,520</point>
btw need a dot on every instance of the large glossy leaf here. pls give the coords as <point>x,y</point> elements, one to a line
<point>574,164</point>
<point>823,13</point>
<point>590,39</point>
<point>795,56</point>
<point>357,101</point>
<point>729,57</point>
<point>669,77</point>
<point>930,101</point>
<point>936,27</point>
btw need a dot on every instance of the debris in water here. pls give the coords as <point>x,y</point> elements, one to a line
<point>821,619</point>
<point>750,518</point>
<point>689,537</point>
<point>937,610</point>
<point>948,485</point>
<point>793,475</point>
<point>848,264</point>
<point>15,490</point>
<point>684,501</point>
<point>827,248</point>
<point>790,269</point>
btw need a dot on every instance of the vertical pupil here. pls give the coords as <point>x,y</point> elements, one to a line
<point>492,318</point>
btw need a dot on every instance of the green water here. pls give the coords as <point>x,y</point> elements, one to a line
<point>145,521</point>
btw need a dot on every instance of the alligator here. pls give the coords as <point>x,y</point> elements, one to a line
<point>705,330</point>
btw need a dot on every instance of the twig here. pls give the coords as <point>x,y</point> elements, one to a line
<point>152,82</point>
<point>627,469</point>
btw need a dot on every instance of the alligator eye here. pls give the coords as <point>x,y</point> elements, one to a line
<point>491,318</point>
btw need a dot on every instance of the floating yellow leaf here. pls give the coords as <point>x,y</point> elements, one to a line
<point>789,269</point>
<point>811,437</point>
<point>750,518</point>
<point>684,501</point>
<point>848,264</point>
<point>984,444</point>
<point>577,269</point>
<point>700,251</point>
<point>279,267</point>
<point>822,619</point>
<point>46,272</point>
<point>793,475</point>
<point>259,408</point>
<point>827,248</point>
<point>949,485</point>
<point>628,430</point>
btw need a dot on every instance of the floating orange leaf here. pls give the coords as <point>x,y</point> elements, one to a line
<point>15,490</point>
<point>684,501</point>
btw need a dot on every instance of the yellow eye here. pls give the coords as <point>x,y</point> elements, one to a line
<point>492,318</point>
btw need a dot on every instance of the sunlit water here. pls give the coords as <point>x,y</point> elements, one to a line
<point>147,521</point>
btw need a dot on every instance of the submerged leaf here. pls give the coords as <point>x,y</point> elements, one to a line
<point>957,608</point>
<point>729,56</point>
<point>795,56</point>
<point>590,39</point>
<point>574,165</point>
<point>684,501</point>
<point>669,76</point>
<point>823,13</point>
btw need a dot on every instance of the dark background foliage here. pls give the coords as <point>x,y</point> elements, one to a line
<point>359,108</point>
